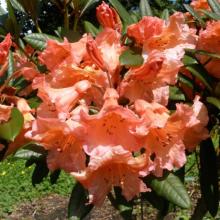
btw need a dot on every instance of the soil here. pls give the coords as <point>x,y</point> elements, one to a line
<point>54,207</point>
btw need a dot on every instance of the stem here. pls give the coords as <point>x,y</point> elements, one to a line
<point>76,20</point>
<point>66,16</point>
<point>38,27</point>
<point>109,79</point>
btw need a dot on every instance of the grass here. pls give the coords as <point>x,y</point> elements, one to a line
<point>16,186</point>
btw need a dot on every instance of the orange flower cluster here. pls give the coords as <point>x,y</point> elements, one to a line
<point>112,129</point>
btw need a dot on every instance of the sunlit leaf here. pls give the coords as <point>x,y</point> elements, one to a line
<point>214,5</point>
<point>145,8</point>
<point>9,130</point>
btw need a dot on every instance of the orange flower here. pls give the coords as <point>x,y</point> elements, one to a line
<point>112,126</point>
<point>61,99</point>
<point>108,17</point>
<point>112,166</point>
<point>4,48</point>
<point>5,113</point>
<point>200,4</point>
<point>209,41</point>
<point>145,29</point>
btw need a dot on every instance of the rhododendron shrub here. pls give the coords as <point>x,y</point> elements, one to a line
<point>118,110</point>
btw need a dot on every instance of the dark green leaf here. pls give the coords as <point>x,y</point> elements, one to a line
<point>209,176</point>
<point>165,14</point>
<point>203,52</point>
<point>214,101</point>
<point>185,80</point>
<point>38,40</point>
<point>90,28</point>
<point>176,94</point>
<point>78,207</point>
<point>9,130</point>
<point>171,188</point>
<point>194,14</point>
<point>214,5</point>
<point>40,172</point>
<point>189,60</point>
<point>10,63</point>
<point>26,154</point>
<point>122,11</point>
<point>211,15</point>
<point>145,8</point>
<point>87,5</point>
<point>54,176</point>
<point>130,58</point>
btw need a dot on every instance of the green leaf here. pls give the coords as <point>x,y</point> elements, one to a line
<point>122,11</point>
<point>214,101</point>
<point>185,80</point>
<point>145,8</point>
<point>119,202</point>
<point>165,14</point>
<point>211,15</point>
<point>54,176</point>
<point>38,40</point>
<point>194,14</point>
<point>189,60</point>
<point>16,5</point>
<point>215,136</point>
<point>171,188</point>
<point>87,5</point>
<point>78,207</point>
<point>9,130</point>
<point>176,94</point>
<point>26,154</point>
<point>209,176</point>
<point>203,52</point>
<point>130,58</point>
<point>90,28</point>
<point>10,63</point>
<point>214,5</point>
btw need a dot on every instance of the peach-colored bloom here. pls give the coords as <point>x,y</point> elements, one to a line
<point>209,41</point>
<point>61,99</point>
<point>200,4</point>
<point>4,48</point>
<point>112,166</point>
<point>5,112</point>
<point>112,126</point>
<point>108,17</point>
<point>145,29</point>
<point>193,123</point>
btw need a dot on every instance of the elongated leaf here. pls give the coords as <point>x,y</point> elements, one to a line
<point>87,5</point>
<point>38,40</point>
<point>209,176</point>
<point>9,130</point>
<point>165,14</point>
<point>26,154</point>
<point>185,80</point>
<point>214,101</point>
<point>194,14</point>
<point>130,58</point>
<point>145,8</point>
<point>90,28</point>
<point>214,5</point>
<point>77,208</point>
<point>122,11</point>
<point>10,63</point>
<point>172,189</point>
<point>211,15</point>
<point>189,60</point>
<point>176,94</point>
<point>16,5</point>
<point>203,52</point>
<point>54,176</point>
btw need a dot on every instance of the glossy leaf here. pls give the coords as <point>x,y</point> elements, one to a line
<point>90,28</point>
<point>10,63</point>
<point>9,130</point>
<point>203,52</point>
<point>209,176</point>
<point>122,11</point>
<point>16,5</point>
<point>211,15</point>
<point>194,14</point>
<point>26,154</point>
<point>176,94</point>
<point>214,101</point>
<point>171,188</point>
<point>165,14</point>
<point>88,4</point>
<point>38,40</point>
<point>214,5</point>
<point>78,207</point>
<point>130,58</point>
<point>145,8</point>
